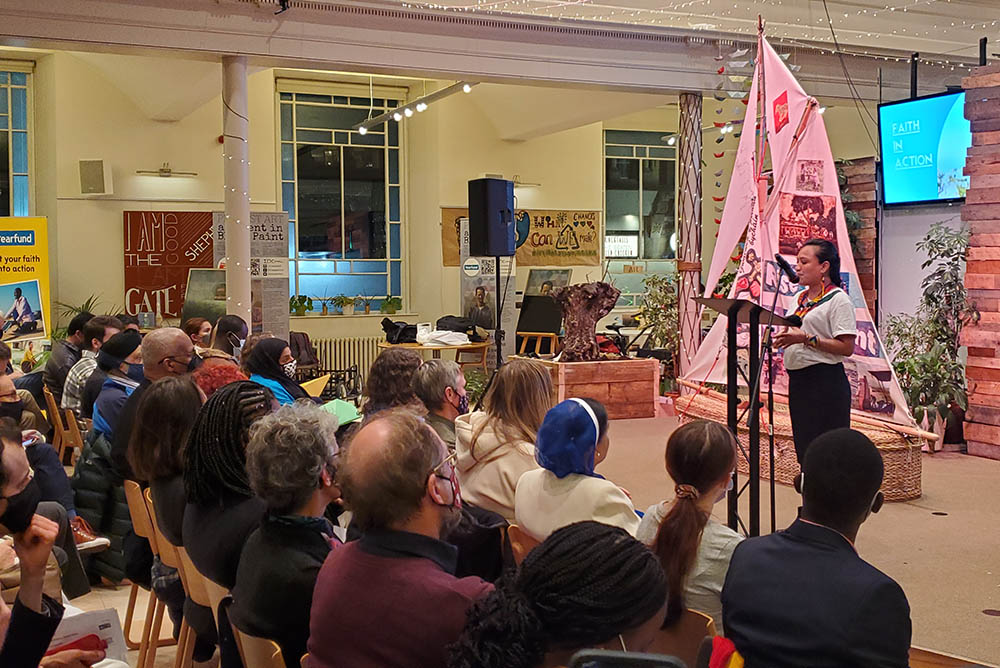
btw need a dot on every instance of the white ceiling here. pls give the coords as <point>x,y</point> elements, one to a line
<point>927,26</point>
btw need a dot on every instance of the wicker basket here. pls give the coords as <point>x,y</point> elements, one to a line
<point>900,456</point>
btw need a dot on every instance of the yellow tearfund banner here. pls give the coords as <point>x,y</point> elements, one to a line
<point>24,279</point>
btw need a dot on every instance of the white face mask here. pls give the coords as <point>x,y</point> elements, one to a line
<point>289,368</point>
<point>725,492</point>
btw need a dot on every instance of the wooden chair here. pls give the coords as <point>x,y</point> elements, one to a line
<point>73,435</point>
<point>520,543</point>
<point>170,555</point>
<point>539,337</point>
<point>142,524</point>
<point>684,638</point>
<point>925,658</point>
<point>258,652</point>
<point>54,416</point>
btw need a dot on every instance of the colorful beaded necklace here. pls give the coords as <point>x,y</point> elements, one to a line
<point>806,304</point>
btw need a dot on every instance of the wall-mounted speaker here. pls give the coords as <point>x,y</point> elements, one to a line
<point>491,218</point>
<point>95,178</point>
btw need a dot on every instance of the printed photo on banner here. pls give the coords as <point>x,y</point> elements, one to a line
<point>541,281</point>
<point>23,317</point>
<point>206,295</point>
<point>805,217</point>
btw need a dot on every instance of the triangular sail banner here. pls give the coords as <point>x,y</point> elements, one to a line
<point>804,203</point>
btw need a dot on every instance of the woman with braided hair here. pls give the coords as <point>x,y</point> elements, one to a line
<point>588,585</point>
<point>221,508</point>
<point>693,548</point>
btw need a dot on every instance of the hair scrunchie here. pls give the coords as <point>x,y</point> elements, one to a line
<point>687,492</point>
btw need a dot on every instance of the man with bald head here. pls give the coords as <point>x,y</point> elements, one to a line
<point>167,351</point>
<point>390,599</point>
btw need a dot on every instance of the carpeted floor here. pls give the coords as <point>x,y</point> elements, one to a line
<point>943,548</point>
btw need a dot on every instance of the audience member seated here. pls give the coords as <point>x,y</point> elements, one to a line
<point>694,549</point>
<point>163,423</point>
<point>440,385</point>
<point>572,440</point>
<point>98,329</point>
<point>210,377</point>
<point>588,586</point>
<point>166,351</point>
<point>221,509</point>
<point>130,322</point>
<point>291,461</point>
<point>230,334</point>
<point>199,330</point>
<point>803,596</point>
<point>92,388</point>
<point>271,364</point>
<point>64,355</point>
<point>389,599</point>
<point>123,356</point>
<point>21,406</point>
<point>248,347</point>
<point>390,382</point>
<point>496,446</point>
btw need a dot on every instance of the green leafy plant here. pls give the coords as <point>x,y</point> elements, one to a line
<point>851,217</point>
<point>475,384</point>
<point>659,310</point>
<point>391,304</point>
<point>924,346</point>
<point>91,305</point>
<point>340,301</point>
<point>724,284</point>
<point>299,304</point>
<point>366,302</point>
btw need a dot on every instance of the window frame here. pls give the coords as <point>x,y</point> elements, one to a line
<point>27,68</point>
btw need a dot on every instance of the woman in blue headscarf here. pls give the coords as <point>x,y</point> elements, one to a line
<point>572,440</point>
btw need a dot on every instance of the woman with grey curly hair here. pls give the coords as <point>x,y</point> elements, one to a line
<point>291,464</point>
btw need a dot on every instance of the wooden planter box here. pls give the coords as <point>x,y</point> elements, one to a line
<point>627,388</point>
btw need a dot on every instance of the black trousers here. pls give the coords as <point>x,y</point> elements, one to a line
<point>819,400</point>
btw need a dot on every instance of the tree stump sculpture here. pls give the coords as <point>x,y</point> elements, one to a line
<point>582,306</point>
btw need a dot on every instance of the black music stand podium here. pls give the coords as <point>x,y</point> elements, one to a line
<point>742,311</point>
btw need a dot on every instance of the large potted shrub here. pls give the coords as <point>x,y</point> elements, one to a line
<point>924,346</point>
<point>659,312</point>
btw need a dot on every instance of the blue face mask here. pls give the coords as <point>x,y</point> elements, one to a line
<point>135,372</point>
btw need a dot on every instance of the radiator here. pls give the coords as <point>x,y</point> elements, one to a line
<point>343,353</point>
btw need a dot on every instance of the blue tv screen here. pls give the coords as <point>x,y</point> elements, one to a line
<point>924,141</point>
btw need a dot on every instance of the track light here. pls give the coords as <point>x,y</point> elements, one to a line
<point>421,106</point>
<point>362,130</point>
<point>672,141</point>
<point>466,88</point>
<point>396,116</point>
<point>407,112</point>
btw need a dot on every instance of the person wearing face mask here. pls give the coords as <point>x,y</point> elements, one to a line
<point>271,364</point>
<point>123,356</point>
<point>230,334</point>
<point>400,482</point>
<point>21,407</point>
<point>693,548</point>
<point>440,385</point>
<point>572,440</point>
<point>804,596</point>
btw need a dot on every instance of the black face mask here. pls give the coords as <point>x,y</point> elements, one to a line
<point>21,508</point>
<point>11,409</point>
<point>195,362</point>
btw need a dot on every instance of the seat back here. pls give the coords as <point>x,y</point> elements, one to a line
<point>55,417</point>
<point>520,543</point>
<point>258,652</point>
<point>168,552</point>
<point>73,435</point>
<point>142,523</point>
<point>683,639</point>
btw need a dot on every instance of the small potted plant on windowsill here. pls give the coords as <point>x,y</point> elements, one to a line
<point>390,305</point>
<point>344,303</point>
<point>366,301</point>
<point>299,304</point>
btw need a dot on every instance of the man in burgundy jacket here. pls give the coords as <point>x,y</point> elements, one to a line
<point>389,599</point>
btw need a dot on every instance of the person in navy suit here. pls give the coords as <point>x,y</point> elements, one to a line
<point>803,596</point>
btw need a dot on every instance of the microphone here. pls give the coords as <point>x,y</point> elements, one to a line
<point>786,268</point>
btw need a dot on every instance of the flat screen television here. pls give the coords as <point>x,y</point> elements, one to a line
<point>923,143</point>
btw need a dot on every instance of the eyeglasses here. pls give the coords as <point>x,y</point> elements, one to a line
<point>450,459</point>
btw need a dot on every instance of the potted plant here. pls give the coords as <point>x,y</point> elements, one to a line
<point>390,305</point>
<point>925,346</point>
<point>299,304</point>
<point>344,303</point>
<point>367,302</point>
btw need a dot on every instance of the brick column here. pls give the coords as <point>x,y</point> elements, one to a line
<point>861,185</point>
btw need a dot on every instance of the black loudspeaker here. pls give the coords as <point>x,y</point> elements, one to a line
<point>491,218</point>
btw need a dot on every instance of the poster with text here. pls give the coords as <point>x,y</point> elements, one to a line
<point>545,237</point>
<point>479,289</point>
<point>161,247</point>
<point>268,268</point>
<point>24,279</point>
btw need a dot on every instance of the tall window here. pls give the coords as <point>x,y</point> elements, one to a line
<point>342,191</point>
<point>14,185</point>
<point>640,235</point>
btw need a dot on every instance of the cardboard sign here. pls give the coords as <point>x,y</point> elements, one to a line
<point>160,249</point>
<point>24,278</point>
<point>544,237</point>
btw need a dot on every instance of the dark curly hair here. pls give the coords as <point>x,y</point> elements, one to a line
<point>584,585</point>
<point>390,381</point>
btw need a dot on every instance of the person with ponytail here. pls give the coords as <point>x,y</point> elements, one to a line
<point>572,440</point>
<point>221,509</point>
<point>588,585</point>
<point>693,548</point>
<point>819,394</point>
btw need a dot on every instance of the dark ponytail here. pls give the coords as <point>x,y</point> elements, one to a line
<point>583,586</point>
<point>699,455</point>
<point>826,251</point>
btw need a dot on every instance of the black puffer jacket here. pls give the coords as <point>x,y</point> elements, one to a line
<point>100,499</point>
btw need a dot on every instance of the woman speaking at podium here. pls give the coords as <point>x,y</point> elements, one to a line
<point>819,394</point>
